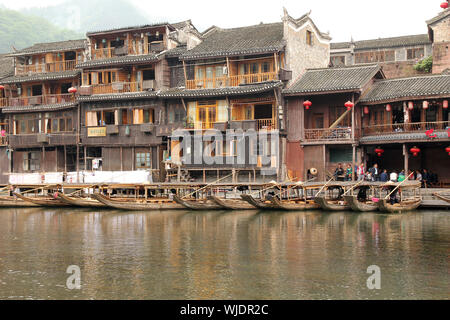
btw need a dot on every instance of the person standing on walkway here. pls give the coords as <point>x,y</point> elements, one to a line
<point>361,172</point>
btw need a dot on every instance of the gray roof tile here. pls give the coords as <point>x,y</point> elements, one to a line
<point>6,66</point>
<point>439,17</point>
<point>118,96</point>
<point>39,108</point>
<point>131,59</point>
<point>333,79</point>
<point>41,77</point>
<point>52,47</point>
<point>404,41</point>
<point>424,86</point>
<point>262,38</point>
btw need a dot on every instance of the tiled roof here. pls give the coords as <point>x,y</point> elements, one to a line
<point>175,52</point>
<point>42,77</point>
<point>134,59</point>
<point>52,47</point>
<point>439,17</point>
<point>400,137</point>
<point>334,79</point>
<point>127,29</point>
<point>39,108</point>
<point>6,66</point>
<point>262,38</point>
<point>404,41</point>
<point>424,86</point>
<point>118,96</point>
<point>220,92</point>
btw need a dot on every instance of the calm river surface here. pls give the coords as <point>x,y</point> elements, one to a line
<point>223,255</point>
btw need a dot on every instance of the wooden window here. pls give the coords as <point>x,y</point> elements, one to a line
<point>309,38</point>
<point>338,61</point>
<point>31,161</point>
<point>58,122</point>
<point>415,53</point>
<point>143,160</point>
<point>27,123</point>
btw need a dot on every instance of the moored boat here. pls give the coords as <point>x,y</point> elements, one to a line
<point>197,204</point>
<point>402,207</point>
<point>260,204</point>
<point>43,201</point>
<point>442,197</point>
<point>331,205</point>
<point>232,204</point>
<point>14,202</point>
<point>137,205</point>
<point>294,205</point>
<point>410,197</point>
<point>81,202</point>
<point>360,206</point>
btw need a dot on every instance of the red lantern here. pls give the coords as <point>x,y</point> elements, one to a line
<point>415,151</point>
<point>2,87</point>
<point>72,90</point>
<point>444,5</point>
<point>379,151</point>
<point>445,104</point>
<point>425,105</point>
<point>447,150</point>
<point>411,105</point>
<point>349,105</point>
<point>307,104</point>
<point>366,110</point>
<point>388,108</point>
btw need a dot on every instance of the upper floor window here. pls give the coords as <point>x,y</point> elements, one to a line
<point>338,61</point>
<point>375,56</point>
<point>143,160</point>
<point>415,53</point>
<point>309,38</point>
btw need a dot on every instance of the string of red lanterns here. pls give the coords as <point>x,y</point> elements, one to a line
<point>379,151</point>
<point>307,104</point>
<point>349,105</point>
<point>2,87</point>
<point>444,5</point>
<point>72,90</point>
<point>388,108</point>
<point>447,150</point>
<point>415,151</point>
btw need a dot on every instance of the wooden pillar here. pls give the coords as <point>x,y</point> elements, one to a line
<point>406,156</point>
<point>133,160</point>
<point>353,118</point>
<point>85,158</point>
<point>65,158</point>
<point>354,162</point>
<point>121,158</point>
<point>43,159</point>
<point>78,163</point>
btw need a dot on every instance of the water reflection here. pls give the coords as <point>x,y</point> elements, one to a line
<point>222,255</point>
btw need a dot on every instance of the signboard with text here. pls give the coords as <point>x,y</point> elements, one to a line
<point>97,132</point>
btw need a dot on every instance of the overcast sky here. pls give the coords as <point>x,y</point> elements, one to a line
<point>343,19</point>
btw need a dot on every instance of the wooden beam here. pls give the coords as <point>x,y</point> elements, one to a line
<point>185,73</point>
<point>184,104</point>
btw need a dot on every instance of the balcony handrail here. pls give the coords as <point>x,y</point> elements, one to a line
<point>230,81</point>
<point>58,66</point>
<point>405,127</point>
<point>117,87</point>
<point>327,134</point>
<point>39,100</point>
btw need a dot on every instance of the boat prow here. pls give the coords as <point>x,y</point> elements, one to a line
<point>329,205</point>
<point>232,204</point>
<point>293,206</point>
<point>42,201</point>
<point>405,206</point>
<point>133,205</point>
<point>258,203</point>
<point>80,202</point>
<point>197,204</point>
<point>360,206</point>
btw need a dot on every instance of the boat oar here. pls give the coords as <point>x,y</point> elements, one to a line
<point>207,186</point>
<point>323,187</point>
<point>407,179</point>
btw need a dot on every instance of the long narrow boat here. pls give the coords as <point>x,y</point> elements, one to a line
<point>232,204</point>
<point>331,205</point>
<point>294,205</point>
<point>81,202</point>
<point>260,204</point>
<point>133,205</point>
<point>404,206</point>
<point>13,202</point>
<point>44,201</point>
<point>442,197</point>
<point>360,206</point>
<point>197,204</point>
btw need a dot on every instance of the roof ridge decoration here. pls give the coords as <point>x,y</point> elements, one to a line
<point>416,39</point>
<point>439,17</point>
<point>298,23</point>
<point>129,28</point>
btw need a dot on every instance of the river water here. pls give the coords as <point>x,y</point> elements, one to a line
<point>223,255</point>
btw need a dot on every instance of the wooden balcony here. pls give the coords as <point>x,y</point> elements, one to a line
<point>112,52</point>
<point>37,139</point>
<point>328,135</point>
<point>3,102</point>
<point>39,100</point>
<point>117,87</point>
<point>375,130</point>
<point>231,81</point>
<point>257,124</point>
<point>61,66</point>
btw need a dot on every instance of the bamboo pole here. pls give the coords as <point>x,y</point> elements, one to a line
<point>407,179</point>
<point>190,194</point>
<point>323,187</point>
<point>352,188</point>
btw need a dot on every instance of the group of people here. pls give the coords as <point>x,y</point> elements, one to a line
<point>375,174</point>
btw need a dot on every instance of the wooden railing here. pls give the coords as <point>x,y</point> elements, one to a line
<point>261,124</point>
<point>46,67</point>
<point>327,134</point>
<point>102,53</point>
<point>106,53</point>
<point>38,100</point>
<point>116,87</point>
<point>232,81</point>
<point>404,127</point>
<point>3,102</point>
<point>265,124</point>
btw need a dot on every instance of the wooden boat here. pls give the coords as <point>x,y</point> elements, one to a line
<point>442,197</point>
<point>81,202</point>
<point>44,201</point>
<point>13,202</point>
<point>136,205</point>
<point>197,204</point>
<point>360,206</point>
<point>331,205</point>
<point>404,206</point>
<point>232,204</point>
<point>294,205</point>
<point>260,204</point>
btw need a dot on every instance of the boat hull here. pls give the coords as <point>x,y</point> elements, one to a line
<point>329,206</point>
<point>385,206</point>
<point>359,206</point>
<point>294,206</point>
<point>258,203</point>
<point>11,202</point>
<point>136,206</point>
<point>43,202</point>
<point>232,204</point>
<point>197,205</point>
<point>79,202</point>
